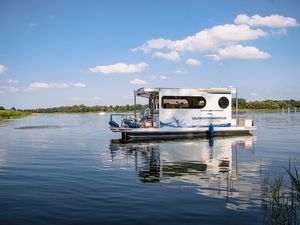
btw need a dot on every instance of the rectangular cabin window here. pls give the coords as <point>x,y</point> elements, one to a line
<point>183,102</point>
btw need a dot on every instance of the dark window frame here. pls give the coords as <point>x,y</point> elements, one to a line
<point>223,102</point>
<point>192,101</point>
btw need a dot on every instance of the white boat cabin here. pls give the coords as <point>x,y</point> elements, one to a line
<point>181,110</point>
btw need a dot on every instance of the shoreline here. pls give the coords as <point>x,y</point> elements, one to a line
<point>12,114</point>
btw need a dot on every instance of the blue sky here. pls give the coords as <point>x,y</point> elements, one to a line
<point>56,53</point>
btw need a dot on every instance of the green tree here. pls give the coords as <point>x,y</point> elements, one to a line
<point>242,103</point>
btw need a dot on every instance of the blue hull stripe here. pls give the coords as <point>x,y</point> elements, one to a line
<point>165,125</point>
<point>221,93</point>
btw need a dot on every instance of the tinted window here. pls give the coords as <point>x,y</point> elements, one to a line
<point>183,102</point>
<point>223,102</point>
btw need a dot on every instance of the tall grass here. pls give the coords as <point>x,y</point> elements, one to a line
<point>12,114</point>
<point>281,197</point>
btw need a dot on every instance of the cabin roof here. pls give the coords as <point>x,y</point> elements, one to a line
<point>147,92</point>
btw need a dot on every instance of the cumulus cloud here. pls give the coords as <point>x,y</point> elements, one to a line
<point>158,77</point>
<point>193,62</point>
<point>239,52</point>
<point>181,72</point>
<point>137,81</point>
<point>119,68</point>
<point>273,21</point>
<point>40,86</point>
<point>3,69</point>
<point>9,89</point>
<point>11,81</point>
<point>223,41</point>
<point>207,39</point>
<point>77,85</point>
<point>172,56</point>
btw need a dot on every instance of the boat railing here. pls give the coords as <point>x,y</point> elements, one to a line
<point>121,119</point>
<point>131,120</point>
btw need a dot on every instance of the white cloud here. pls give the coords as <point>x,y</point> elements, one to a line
<point>205,40</point>
<point>11,81</point>
<point>239,52</point>
<point>158,77</point>
<point>5,89</point>
<point>158,43</point>
<point>193,62</point>
<point>137,81</point>
<point>77,85</point>
<point>223,41</point>
<point>126,97</point>
<point>278,32</point>
<point>274,21</point>
<point>40,86</point>
<point>181,71</point>
<point>3,69</point>
<point>119,68</point>
<point>172,56</point>
<point>33,25</point>
<point>163,77</point>
<point>253,94</point>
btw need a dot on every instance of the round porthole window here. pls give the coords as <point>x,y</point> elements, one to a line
<point>223,102</point>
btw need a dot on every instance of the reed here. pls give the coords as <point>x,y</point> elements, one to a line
<point>12,114</point>
<point>281,197</point>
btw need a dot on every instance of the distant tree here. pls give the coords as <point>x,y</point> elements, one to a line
<point>2,108</point>
<point>13,108</point>
<point>242,103</point>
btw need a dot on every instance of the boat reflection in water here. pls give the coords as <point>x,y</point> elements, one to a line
<point>213,167</point>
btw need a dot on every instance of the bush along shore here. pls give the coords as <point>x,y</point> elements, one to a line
<point>267,104</point>
<point>242,105</point>
<point>85,109</point>
<point>12,114</point>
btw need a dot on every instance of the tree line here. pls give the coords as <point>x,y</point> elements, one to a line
<point>242,104</point>
<point>82,109</point>
<point>266,104</point>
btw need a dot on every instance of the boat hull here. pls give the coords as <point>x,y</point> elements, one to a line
<point>157,133</point>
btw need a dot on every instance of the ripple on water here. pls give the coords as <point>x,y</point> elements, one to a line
<point>66,169</point>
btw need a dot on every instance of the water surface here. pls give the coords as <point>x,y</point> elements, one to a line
<point>70,169</point>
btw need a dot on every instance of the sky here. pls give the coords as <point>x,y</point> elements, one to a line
<point>55,53</point>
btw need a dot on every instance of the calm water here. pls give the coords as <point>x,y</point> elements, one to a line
<point>70,169</point>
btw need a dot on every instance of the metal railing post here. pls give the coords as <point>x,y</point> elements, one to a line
<point>134,103</point>
<point>236,106</point>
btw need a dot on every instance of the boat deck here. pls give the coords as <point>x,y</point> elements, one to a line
<point>141,133</point>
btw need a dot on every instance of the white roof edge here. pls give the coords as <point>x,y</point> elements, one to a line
<point>145,90</point>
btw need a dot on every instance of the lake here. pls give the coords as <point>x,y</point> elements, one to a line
<point>70,169</point>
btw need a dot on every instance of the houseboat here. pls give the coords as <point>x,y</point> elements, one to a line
<point>181,112</point>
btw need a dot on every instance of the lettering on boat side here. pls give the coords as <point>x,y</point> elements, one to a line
<point>209,118</point>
